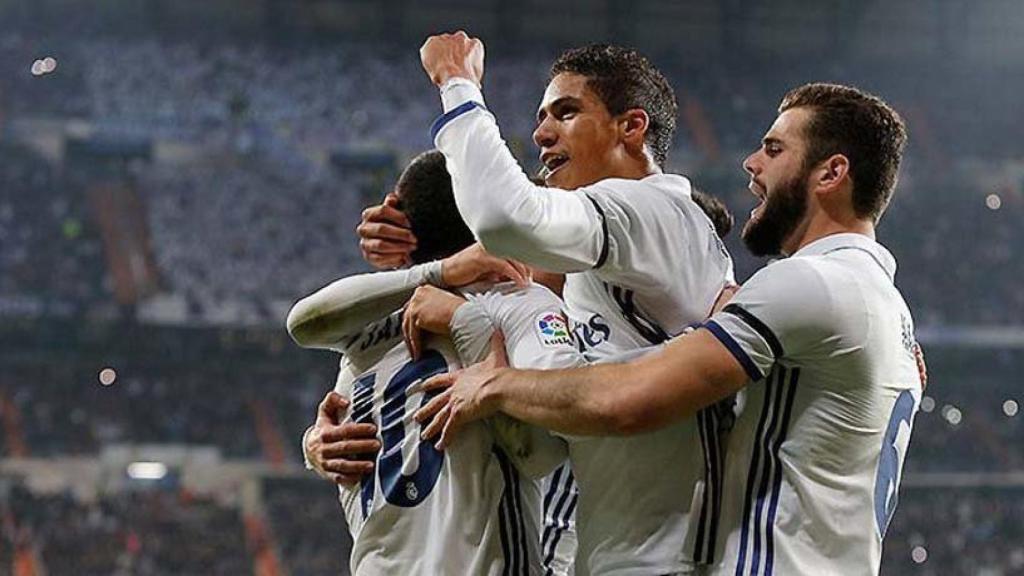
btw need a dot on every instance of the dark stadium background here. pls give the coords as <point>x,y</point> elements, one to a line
<point>174,174</point>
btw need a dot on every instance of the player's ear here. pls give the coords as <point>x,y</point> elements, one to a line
<point>633,126</point>
<point>832,172</point>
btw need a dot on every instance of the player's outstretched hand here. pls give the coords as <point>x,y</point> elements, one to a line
<point>474,264</point>
<point>385,235</point>
<point>464,398</point>
<point>340,452</point>
<point>457,55</point>
<point>430,309</point>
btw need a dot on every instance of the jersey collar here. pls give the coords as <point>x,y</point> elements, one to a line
<point>850,240</point>
<point>677,183</point>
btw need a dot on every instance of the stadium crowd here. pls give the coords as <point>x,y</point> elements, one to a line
<point>266,219</point>
<point>50,243</point>
<point>64,409</point>
<point>956,531</point>
<point>307,524</point>
<point>969,418</point>
<point>153,532</point>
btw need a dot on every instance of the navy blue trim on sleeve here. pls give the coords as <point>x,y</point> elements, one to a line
<point>452,114</point>
<point>760,327</point>
<point>734,348</point>
<point>604,234</point>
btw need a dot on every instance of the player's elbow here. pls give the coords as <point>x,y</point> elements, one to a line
<point>301,324</point>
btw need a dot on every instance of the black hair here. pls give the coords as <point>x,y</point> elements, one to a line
<point>425,196</point>
<point>625,80</point>
<point>860,126</point>
<point>715,210</point>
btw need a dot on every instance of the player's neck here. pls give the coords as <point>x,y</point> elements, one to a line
<point>820,226</point>
<point>635,169</point>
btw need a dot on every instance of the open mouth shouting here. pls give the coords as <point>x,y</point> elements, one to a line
<point>553,162</point>
<point>762,196</point>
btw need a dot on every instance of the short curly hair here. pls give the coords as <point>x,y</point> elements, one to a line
<point>624,80</point>
<point>425,196</point>
<point>860,126</point>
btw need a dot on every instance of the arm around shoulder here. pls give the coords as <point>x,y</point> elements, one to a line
<point>691,372</point>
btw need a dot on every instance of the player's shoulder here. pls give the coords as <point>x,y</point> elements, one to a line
<point>655,207</point>
<point>654,189</point>
<point>794,286</point>
<point>509,295</point>
<point>398,356</point>
<point>792,273</point>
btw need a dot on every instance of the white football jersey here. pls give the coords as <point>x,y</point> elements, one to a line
<point>475,508</point>
<point>643,262</point>
<point>506,309</point>
<point>814,461</point>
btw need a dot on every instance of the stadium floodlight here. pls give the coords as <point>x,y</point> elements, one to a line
<point>147,470</point>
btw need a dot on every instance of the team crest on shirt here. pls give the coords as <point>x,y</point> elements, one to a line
<point>553,329</point>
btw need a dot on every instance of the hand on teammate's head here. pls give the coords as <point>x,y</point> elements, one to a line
<point>385,235</point>
<point>457,55</point>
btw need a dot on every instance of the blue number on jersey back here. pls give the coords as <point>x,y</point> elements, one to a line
<point>362,412</point>
<point>401,489</point>
<point>887,480</point>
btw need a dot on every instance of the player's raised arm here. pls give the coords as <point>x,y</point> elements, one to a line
<point>509,214</point>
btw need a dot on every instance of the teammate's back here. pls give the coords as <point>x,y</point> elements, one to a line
<point>466,510</point>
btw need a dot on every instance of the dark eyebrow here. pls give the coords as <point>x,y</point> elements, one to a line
<point>562,102</point>
<point>771,140</point>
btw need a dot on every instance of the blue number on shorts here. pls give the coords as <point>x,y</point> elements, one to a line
<point>887,480</point>
<point>402,489</point>
<point>362,412</point>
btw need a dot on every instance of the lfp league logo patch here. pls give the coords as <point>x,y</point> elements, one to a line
<point>553,329</point>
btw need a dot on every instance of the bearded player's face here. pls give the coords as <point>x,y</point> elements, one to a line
<point>577,136</point>
<point>779,179</point>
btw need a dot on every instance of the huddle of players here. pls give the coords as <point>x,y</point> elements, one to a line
<point>807,480</point>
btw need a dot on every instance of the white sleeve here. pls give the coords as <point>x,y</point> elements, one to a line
<point>536,337</point>
<point>536,331</point>
<point>512,217</point>
<point>783,313</point>
<point>471,329</point>
<point>339,314</point>
<point>625,228</point>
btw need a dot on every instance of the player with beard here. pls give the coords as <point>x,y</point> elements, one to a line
<point>821,341</point>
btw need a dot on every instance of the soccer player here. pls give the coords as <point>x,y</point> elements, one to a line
<point>642,262</point>
<point>822,342</point>
<point>476,509</point>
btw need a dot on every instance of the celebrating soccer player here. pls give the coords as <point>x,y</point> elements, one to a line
<point>822,341</point>
<point>401,514</point>
<point>642,261</point>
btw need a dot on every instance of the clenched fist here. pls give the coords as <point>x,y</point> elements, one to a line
<point>457,55</point>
